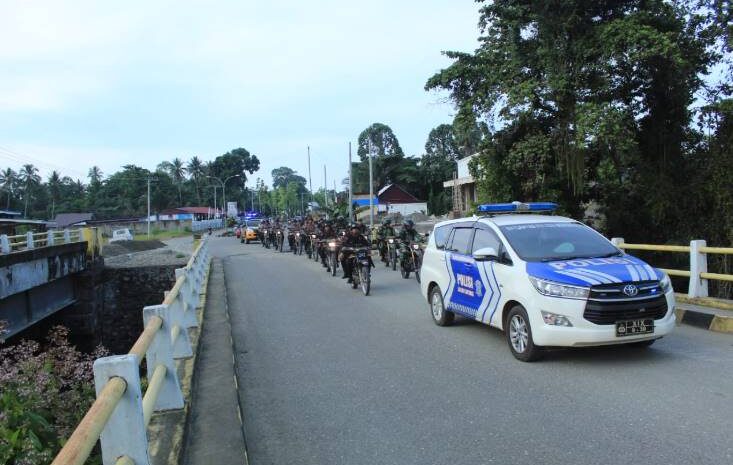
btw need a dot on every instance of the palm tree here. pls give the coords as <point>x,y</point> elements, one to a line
<point>195,169</point>
<point>8,179</point>
<point>30,178</point>
<point>54,189</point>
<point>177,171</point>
<point>95,174</point>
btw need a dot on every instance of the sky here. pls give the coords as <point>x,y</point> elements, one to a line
<point>87,83</point>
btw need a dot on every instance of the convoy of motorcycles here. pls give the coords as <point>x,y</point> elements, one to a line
<point>349,247</point>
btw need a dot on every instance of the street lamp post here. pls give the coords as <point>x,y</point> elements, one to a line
<point>224,191</point>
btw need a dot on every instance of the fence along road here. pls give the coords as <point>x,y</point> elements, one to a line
<point>120,414</point>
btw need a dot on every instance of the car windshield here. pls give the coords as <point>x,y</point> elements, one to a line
<point>253,223</point>
<point>538,242</point>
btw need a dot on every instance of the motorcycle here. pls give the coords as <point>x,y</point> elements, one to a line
<point>265,238</point>
<point>333,246</point>
<point>392,244</point>
<point>279,240</point>
<point>411,261</point>
<point>313,250</point>
<point>299,243</point>
<point>361,264</point>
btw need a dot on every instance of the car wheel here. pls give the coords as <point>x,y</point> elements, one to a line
<point>519,335</point>
<point>441,316</point>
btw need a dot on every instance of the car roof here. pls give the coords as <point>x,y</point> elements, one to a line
<point>509,219</point>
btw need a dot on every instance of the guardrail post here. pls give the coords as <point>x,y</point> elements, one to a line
<point>51,239</point>
<point>4,244</point>
<point>161,352</point>
<point>698,264</point>
<point>181,346</point>
<point>617,241</point>
<point>67,236</point>
<point>187,299</point>
<point>125,432</point>
<point>29,244</point>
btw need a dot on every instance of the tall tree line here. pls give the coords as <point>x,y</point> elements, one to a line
<point>174,183</point>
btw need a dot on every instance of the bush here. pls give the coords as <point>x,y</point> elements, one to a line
<point>44,393</point>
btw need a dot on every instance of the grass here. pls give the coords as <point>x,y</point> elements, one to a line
<point>157,234</point>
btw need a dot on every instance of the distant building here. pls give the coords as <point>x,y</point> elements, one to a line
<point>67,220</point>
<point>463,185</point>
<point>390,199</point>
<point>189,213</point>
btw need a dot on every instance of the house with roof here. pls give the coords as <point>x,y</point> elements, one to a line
<point>68,220</point>
<point>189,213</point>
<point>392,199</point>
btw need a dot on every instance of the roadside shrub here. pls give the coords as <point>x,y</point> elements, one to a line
<point>45,390</point>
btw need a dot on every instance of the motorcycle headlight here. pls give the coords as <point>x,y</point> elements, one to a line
<point>391,241</point>
<point>665,284</point>
<point>415,246</point>
<point>332,244</point>
<point>554,289</point>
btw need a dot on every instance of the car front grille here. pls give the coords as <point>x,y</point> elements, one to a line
<point>607,303</point>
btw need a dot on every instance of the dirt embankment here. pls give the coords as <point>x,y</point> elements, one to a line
<point>124,247</point>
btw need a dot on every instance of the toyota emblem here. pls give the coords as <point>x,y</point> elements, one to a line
<point>630,290</point>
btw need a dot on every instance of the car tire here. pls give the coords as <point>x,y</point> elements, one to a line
<point>441,316</point>
<point>519,335</point>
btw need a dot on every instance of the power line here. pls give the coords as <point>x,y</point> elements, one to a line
<point>24,158</point>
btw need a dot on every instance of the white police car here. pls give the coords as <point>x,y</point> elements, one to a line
<point>546,280</point>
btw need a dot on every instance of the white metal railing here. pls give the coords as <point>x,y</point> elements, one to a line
<point>30,240</point>
<point>203,225</point>
<point>698,272</point>
<point>121,412</point>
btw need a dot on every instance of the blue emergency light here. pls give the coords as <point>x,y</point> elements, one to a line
<point>517,207</point>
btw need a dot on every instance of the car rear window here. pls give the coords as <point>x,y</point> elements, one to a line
<point>441,234</point>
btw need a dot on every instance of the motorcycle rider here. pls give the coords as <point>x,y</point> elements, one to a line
<point>327,233</point>
<point>354,239</point>
<point>385,231</point>
<point>407,235</point>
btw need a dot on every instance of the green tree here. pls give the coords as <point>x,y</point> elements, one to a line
<point>30,179</point>
<point>177,171</point>
<point>285,176</point>
<point>8,182</point>
<point>54,190</point>
<point>593,99</point>
<point>196,170</point>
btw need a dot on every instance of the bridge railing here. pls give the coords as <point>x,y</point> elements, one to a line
<point>121,412</point>
<point>30,240</point>
<point>698,272</point>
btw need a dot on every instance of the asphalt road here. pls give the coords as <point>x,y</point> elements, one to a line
<point>328,376</point>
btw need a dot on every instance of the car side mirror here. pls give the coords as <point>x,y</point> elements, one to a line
<point>486,254</point>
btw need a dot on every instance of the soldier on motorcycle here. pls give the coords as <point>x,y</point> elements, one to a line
<point>407,235</point>
<point>385,231</point>
<point>354,239</point>
<point>327,233</point>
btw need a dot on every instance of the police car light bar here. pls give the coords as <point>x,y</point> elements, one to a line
<point>516,207</point>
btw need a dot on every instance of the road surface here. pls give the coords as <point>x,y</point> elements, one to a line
<point>328,376</point>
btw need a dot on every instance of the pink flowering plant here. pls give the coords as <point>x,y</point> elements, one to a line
<point>45,390</point>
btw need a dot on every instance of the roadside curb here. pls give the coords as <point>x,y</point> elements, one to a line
<point>704,320</point>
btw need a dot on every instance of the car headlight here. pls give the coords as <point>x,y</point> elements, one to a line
<point>554,319</point>
<point>559,290</point>
<point>665,283</point>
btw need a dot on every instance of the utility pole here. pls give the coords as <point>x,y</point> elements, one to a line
<point>148,207</point>
<point>325,187</point>
<point>335,197</point>
<point>371,189</point>
<point>215,187</point>
<point>310,182</point>
<point>351,189</point>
